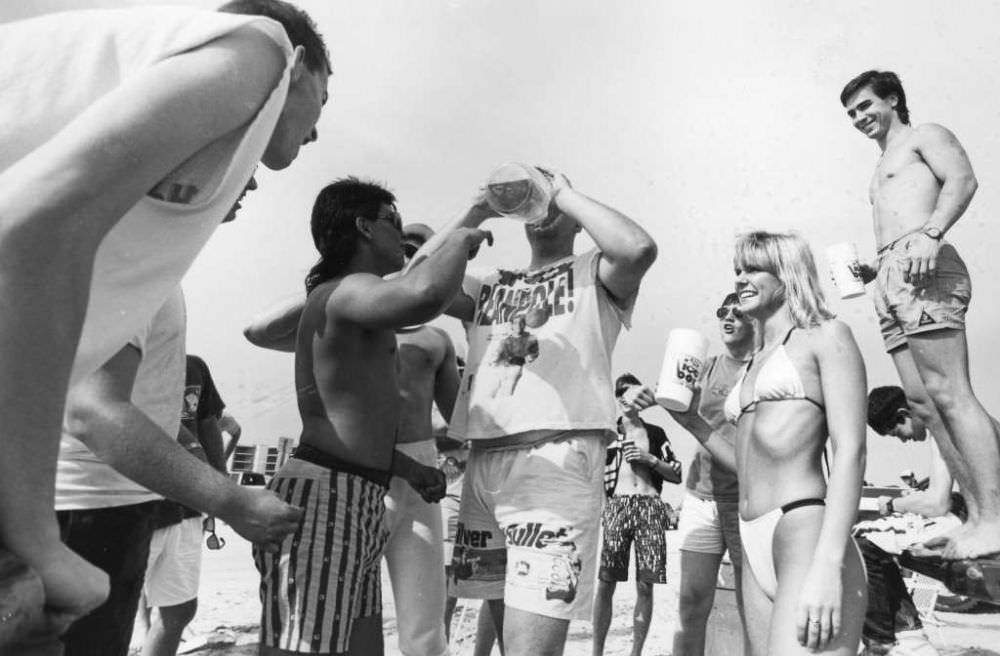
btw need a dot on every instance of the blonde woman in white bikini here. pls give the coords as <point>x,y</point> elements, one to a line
<point>804,585</point>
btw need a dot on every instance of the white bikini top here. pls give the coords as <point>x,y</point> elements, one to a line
<point>777,380</point>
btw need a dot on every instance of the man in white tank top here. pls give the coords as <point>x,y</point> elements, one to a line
<point>125,137</point>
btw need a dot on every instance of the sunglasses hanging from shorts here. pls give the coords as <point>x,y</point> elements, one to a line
<point>213,542</point>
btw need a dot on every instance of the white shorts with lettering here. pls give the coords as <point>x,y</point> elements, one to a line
<point>174,567</point>
<point>528,525</point>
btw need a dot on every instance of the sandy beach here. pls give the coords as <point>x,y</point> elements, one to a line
<point>228,615</point>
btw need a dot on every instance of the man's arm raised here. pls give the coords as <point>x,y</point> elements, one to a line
<point>276,327</point>
<point>627,251</point>
<point>417,296</point>
<point>462,307</point>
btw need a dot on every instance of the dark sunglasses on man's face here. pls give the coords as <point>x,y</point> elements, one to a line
<point>214,542</point>
<point>395,219</point>
<point>724,311</point>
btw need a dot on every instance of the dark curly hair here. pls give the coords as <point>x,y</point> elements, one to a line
<point>884,404</point>
<point>333,229</point>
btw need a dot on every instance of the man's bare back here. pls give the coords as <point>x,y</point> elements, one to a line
<point>425,353</point>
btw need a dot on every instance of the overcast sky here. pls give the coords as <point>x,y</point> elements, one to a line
<point>698,119</point>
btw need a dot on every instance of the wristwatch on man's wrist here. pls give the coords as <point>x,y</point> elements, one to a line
<point>933,232</point>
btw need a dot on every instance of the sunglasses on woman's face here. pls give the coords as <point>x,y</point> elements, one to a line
<point>214,542</point>
<point>726,310</point>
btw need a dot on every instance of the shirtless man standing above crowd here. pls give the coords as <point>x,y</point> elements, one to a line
<point>321,593</point>
<point>922,185</point>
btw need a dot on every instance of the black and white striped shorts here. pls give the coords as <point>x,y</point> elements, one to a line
<point>327,573</point>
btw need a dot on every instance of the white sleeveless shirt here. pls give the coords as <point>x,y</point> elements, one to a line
<point>46,84</point>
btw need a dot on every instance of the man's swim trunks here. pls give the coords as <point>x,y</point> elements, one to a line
<point>327,573</point>
<point>905,308</point>
<point>641,519</point>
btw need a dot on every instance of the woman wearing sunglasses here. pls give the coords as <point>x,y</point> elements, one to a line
<point>804,585</point>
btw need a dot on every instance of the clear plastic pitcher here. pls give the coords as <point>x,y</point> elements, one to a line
<point>519,191</point>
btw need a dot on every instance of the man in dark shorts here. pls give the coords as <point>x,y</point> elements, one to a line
<point>634,514</point>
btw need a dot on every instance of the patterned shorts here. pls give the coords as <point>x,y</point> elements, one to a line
<point>528,526</point>
<point>641,519</point>
<point>327,573</point>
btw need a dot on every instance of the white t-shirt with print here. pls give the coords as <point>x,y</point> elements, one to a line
<point>540,347</point>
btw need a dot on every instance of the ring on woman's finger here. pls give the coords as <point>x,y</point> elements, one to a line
<point>815,621</point>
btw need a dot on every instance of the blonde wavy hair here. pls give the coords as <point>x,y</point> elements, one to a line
<point>787,256</point>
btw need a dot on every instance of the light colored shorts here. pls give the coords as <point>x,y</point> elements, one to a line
<point>904,308</point>
<point>712,527</point>
<point>450,505</point>
<point>174,567</point>
<point>326,574</point>
<point>413,558</point>
<point>528,526</point>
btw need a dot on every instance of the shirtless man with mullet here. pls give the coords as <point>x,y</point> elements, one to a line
<point>321,593</point>
<point>922,185</point>
<point>427,374</point>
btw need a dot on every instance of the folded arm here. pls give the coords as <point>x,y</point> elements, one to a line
<point>950,164</point>
<point>276,327</point>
